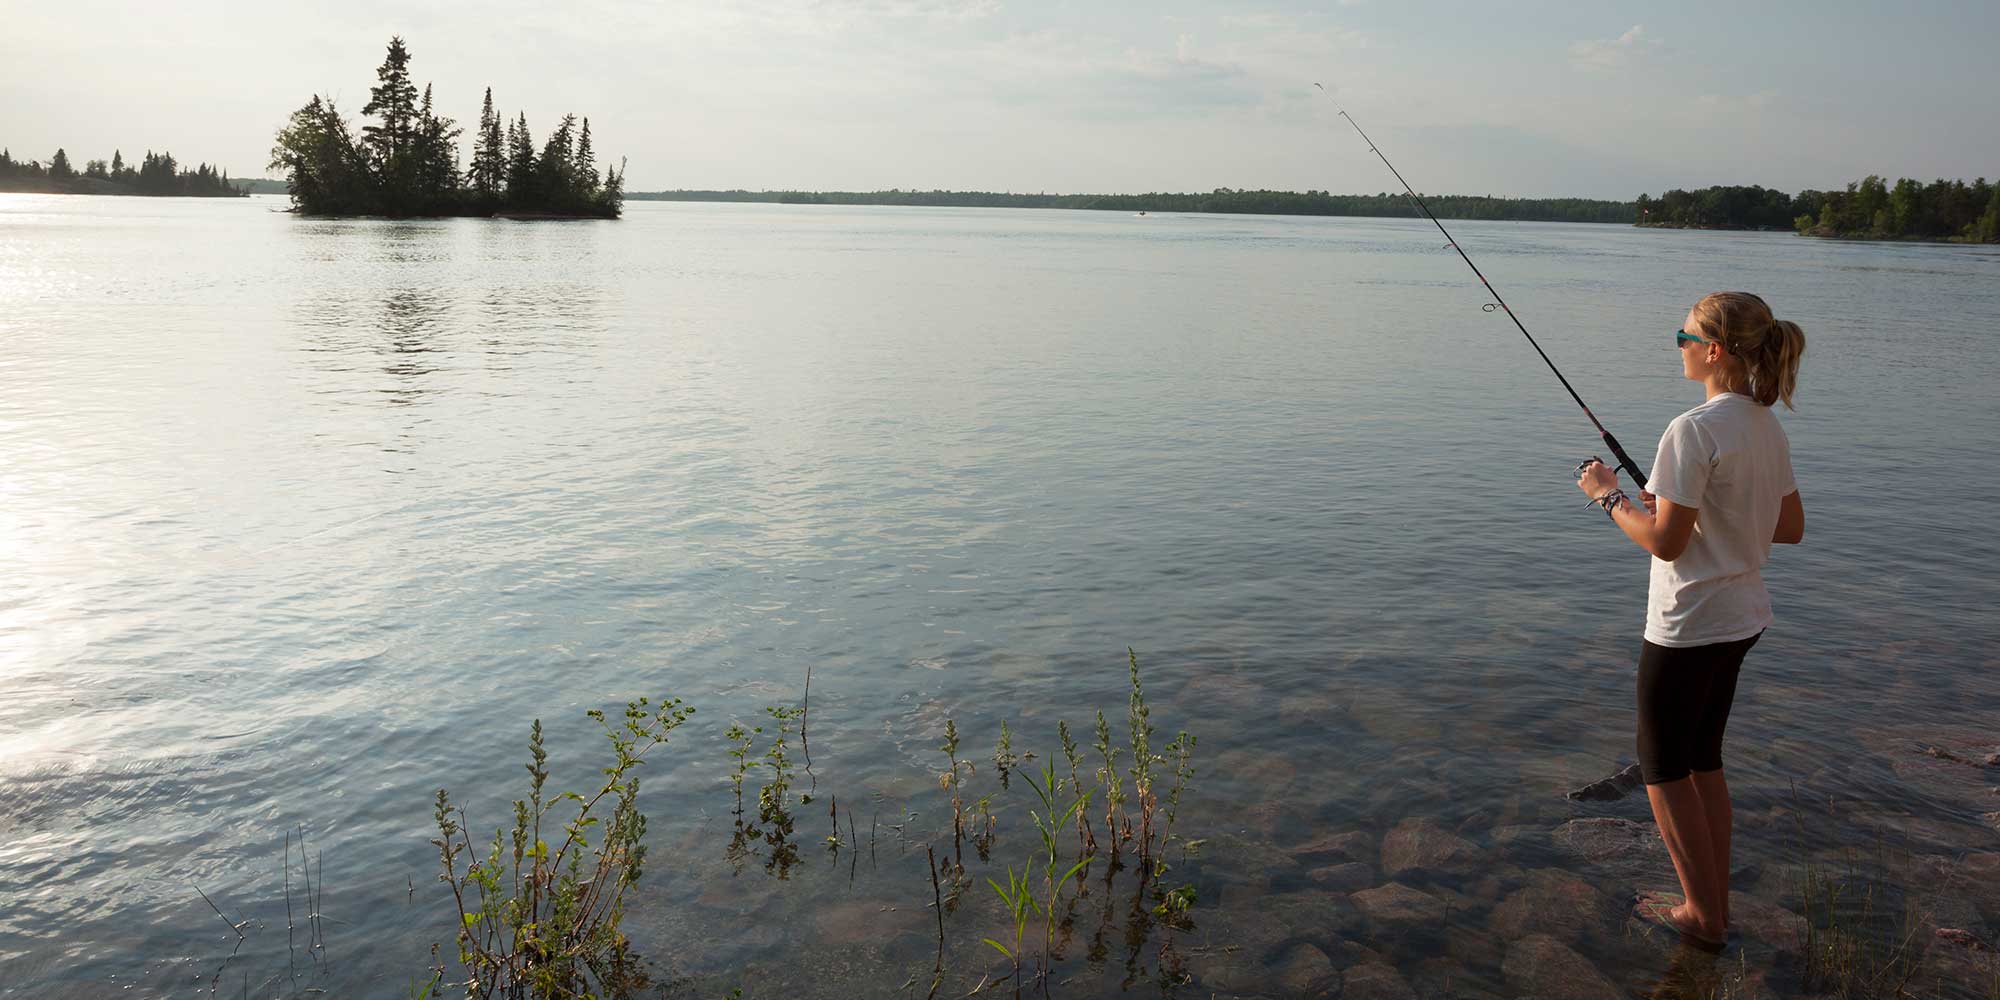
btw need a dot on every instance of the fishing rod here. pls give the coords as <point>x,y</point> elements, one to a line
<point>1624,461</point>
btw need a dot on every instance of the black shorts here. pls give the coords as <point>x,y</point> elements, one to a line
<point>1684,698</point>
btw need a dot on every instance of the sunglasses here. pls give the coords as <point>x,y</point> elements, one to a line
<point>1684,337</point>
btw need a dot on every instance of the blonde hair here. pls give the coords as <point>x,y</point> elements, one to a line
<point>1767,349</point>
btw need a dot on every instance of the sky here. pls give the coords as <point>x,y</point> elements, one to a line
<point>1592,99</point>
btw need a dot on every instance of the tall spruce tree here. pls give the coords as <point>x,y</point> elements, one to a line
<point>522,190</point>
<point>585,167</point>
<point>393,99</point>
<point>489,156</point>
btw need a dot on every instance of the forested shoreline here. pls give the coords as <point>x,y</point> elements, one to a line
<point>1869,209</point>
<point>406,162</point>
<point>158,175</point>
<point>1222,201</point>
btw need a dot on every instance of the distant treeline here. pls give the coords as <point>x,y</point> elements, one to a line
<point>1225,201</point>
<point>1869,209</point>
<point>157,174</point>
<point>407,163</point>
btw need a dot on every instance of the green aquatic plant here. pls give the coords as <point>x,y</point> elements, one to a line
<point>1174,905</point>
<point>1181,752</point>
<point>982,840</point>
<point>774,816</point>
<point>1139,718</point>
<point>1003,754</point>
<point>1086,842</point>
<point>739,748</point>
<point>1050,822</point>
<point>1114,793</point>
<point>535,922</point>
<point>1018,898</point>
<point>953,781</point>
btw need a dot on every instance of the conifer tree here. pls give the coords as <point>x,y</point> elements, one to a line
<point>585,168</point>
<point>488,155</point>
<point>394,100</point>
<point>59,167</point>
<point>521,188</point>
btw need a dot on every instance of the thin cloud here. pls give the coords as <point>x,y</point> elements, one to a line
<point>1610,53</point>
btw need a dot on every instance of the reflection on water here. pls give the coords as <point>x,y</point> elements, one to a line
<point>956,461</point>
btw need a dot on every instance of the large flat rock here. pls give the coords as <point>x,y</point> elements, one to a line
<point>1399,906</point>
<point>1421,843</point>
<point>1540,966</point>
<point>1558,904</point>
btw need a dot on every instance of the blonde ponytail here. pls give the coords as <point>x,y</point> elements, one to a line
<point>1766,350</point>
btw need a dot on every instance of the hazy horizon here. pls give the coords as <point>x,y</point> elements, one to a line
<point>866,95</point>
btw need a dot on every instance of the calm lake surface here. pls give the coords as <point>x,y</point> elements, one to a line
<point>301,520</point>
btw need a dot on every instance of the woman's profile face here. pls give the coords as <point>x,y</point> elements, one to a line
<point>1694,357</point>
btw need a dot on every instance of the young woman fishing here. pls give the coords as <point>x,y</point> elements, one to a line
<point>1721,493</point>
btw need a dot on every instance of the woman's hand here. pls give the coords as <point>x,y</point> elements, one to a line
<point>1650,502</point>
<point>1597,479</point>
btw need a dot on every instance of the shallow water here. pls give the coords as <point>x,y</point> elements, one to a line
<point>304,519</point>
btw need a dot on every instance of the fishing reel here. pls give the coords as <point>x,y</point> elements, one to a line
<point>1584,466</point>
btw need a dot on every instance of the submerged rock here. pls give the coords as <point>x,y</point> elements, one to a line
<point>1961,958</point>
<point>1353,845</point>
<point>1374,981</point>
<point>1422,844</point>
<point>1609,789</point>
<point>1348,877</point>
<point>1558,904</point>
<point>1323,917</point>
<point>1305,971</point>
<point>1608,838</point>
<point>1765,921</point>
<point>1540,966</point>
<point>1396,905</point>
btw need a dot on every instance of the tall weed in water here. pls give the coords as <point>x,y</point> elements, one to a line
<point>1854,949</point>
<point>953,780</point>
<point>1004,758</point>
<point>539,923</point>
<point>1086,840</point>
<point>1108,775</point>
<point>1049,822</point>
<point>1139,718</point>
<point>739,748</point>
<point>1181,752</point>
<point>1019,900</point>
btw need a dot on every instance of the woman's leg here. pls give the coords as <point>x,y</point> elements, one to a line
<point>1709,783</point>
<point>1683,820</point>
<point>1674,697</point>
<point>1714,793</point>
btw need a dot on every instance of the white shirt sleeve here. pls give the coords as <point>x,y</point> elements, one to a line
<point>1682,465</point>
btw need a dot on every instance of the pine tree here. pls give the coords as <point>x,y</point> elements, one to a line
<point>521,187</point>
<point>555,179</point>
<point>489,157</point>
<point>585,166</point>
<point>59,167</point>
<point>394,100</point>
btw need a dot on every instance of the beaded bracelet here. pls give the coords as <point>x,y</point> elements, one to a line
<point>1610,501</point>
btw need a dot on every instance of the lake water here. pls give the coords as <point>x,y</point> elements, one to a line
<point>301,520</point>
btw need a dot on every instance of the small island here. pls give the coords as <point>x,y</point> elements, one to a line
<point>1221,201</point>
<point>158,175</point>
<point>406,163</point>
<point>1870,209</point>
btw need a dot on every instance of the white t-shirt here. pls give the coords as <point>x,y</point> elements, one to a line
<point>1729,459</point>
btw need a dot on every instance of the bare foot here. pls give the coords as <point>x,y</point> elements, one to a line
<point>1669,910</point>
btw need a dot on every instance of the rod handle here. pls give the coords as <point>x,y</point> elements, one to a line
<point>1625,461</point>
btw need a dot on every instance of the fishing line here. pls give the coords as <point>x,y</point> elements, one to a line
<point>1624,461</point>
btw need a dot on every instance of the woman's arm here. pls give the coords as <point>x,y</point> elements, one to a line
<point>1791,521</point>
<point>1664,531</point>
